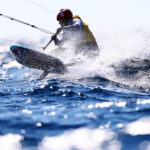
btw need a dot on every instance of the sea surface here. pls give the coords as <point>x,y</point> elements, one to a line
<point>92,107</point>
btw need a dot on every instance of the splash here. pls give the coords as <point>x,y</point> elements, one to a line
<point>117,45</point>
<point>125,55</point>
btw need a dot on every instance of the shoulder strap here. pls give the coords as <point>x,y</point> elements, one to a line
<point>76,16</point>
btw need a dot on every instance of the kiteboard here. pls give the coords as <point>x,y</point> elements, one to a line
<point>37,60</point>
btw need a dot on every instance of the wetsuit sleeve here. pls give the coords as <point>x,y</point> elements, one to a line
<point>59,42</point>
<point>65,37</point>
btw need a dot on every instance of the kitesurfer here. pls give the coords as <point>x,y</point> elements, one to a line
<point>76,32</point>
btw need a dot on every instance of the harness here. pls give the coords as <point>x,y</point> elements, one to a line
<point>87,35</point>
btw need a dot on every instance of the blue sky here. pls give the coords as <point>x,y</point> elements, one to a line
<point>96,13</point>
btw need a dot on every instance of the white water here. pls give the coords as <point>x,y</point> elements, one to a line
<point>116,44</point>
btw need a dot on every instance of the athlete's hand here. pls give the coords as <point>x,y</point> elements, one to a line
<point>54,37</point>
<point>58,30</point>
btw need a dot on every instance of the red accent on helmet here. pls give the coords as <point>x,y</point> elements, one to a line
<point>15,51</point>
<point>64,13</point>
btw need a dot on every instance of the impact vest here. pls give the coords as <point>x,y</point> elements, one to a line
<point>87,35</point>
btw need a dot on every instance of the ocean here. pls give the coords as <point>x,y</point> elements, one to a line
<point>99,104</point>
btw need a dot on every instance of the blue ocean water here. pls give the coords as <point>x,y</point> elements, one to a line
<point>82,110</point>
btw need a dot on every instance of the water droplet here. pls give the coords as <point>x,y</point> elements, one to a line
<point>38,124</point>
